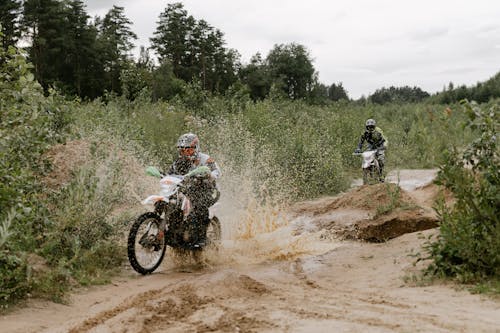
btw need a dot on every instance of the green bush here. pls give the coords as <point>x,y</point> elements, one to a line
<point>300,151</point>
<point>29,123</point>
<point>468,247</point>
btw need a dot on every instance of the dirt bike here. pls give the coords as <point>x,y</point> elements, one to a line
<point>370,166</point>
<point>166,225</point>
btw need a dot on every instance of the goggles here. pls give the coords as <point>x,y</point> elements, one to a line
<point>187,151</point>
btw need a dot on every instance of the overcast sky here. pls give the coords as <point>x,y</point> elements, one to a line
<point>365,44</point>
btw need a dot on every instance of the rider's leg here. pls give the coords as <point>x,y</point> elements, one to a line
<point>198,221</point>
<point>381,164</point>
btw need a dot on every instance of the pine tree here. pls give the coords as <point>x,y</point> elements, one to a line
<point>115,43</point>
<point>45,23</point>
<point>174,40</point>
<point>194,49</point>
<point>10,11</point>
<point>84,70</point>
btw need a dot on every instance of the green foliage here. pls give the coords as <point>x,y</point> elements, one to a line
<point>468,247</point>
<point>13,277</point>
<point>298,150</point>
<point>29,123</point>
<point>150,129</point>
<point>76,236</point>
<point>115,42</point>
<point>82,236</point>
<point>194,49</point>
<point>291,67</point>
<point>482,92</point>
<point>9,22</point>
<point>257,77</point>
<point>404,94</point>
<point>336,92</point>
<point>165,85</point>
<point>134,80</point>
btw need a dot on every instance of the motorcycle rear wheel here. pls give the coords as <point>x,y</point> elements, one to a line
<point>146,243</point>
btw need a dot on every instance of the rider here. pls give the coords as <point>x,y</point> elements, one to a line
<point>199,188</point>
<point>376,140</point>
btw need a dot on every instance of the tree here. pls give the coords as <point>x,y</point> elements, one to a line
<point>83,67</point>
<point>337,92</point>
<point>404,94</point>
<point>115,42</point>
<point>318,94</point>
<point>257,77</point>
<point>164,83</point>
<point>171,37</point>
<point>45,24</point>
<point>194,49</point>
<point>482,92</point>
<point>10,11</point>
<point>291,67</point>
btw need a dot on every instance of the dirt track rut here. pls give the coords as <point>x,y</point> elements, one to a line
<point>316,285</point>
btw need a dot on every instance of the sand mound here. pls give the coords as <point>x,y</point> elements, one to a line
<point>368,197</point>
<point>65,159</point>
<point>373,213</point>
<point>428,194</point>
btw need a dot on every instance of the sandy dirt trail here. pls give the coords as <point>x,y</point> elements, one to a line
<point>291,280</point>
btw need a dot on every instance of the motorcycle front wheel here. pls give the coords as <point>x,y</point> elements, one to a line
<point>214,231</point>
<point>370,175</point>
<point>146,243</point>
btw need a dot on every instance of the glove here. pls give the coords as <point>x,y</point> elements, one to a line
<point>357,151</point>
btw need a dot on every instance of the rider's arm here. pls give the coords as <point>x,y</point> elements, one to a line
<point>214,168</point>
<point>171,170</point>
<point>211,164</point>
<point>384,139</point>
<point>361,141</point>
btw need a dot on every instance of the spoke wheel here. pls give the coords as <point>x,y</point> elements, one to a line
<point>146,245</point>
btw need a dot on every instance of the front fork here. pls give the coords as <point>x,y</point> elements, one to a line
<point>166,209</point>
<point>162,207</point>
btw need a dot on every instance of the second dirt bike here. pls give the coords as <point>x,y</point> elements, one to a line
<point>370,166</point>
<point>166,225</point>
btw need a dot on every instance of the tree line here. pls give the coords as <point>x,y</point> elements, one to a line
<point>482,92</point>
<point>88,57</point>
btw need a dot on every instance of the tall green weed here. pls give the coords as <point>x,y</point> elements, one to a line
<point>468,246</point>
<point>29,123</point>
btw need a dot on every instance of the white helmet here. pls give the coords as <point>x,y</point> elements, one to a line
<point>188,146</point>
<point>370,125</point>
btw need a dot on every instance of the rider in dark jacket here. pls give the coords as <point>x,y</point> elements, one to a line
<point>199,188</point>
<point>376,140</point>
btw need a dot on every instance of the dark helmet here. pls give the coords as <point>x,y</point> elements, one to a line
<point>188,146</point>
<point>370,125</point>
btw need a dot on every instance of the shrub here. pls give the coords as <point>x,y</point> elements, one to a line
<point>29,123</point>
<point>468,247</point>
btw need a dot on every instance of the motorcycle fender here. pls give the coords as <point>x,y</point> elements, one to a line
<point>368,159</point>
<point>152,199</point>
<point>212,210</point>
